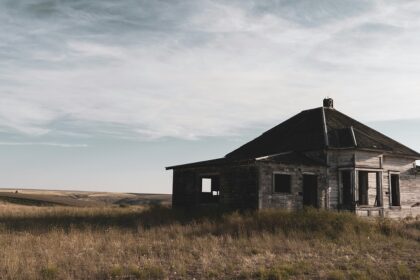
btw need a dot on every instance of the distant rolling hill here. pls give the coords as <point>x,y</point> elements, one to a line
<point>80,198</point>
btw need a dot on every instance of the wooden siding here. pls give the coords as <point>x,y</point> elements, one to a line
<point>372,191</point>
<point>368,159</point>
<point>341,158</point>
<point>238,186</point>
<point>337,159</point>
<point>409,187</point>
<point>385,165</point>
<point>251,186</point>
<point>293,201</point>
<point>183,189</point>
<point>354,158</point>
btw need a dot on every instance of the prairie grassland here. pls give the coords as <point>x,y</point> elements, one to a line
<point>80,198</point>
<point>160,243</point>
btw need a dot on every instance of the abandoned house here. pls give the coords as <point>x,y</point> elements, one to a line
<point>319,158</point>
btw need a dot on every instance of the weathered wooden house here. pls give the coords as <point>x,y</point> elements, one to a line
<point>320,158</point>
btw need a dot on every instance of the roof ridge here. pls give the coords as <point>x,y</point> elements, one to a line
<point>325,128</point>
<point>353,136</point>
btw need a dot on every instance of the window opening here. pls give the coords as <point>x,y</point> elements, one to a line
<point>210,189</point>
<point>282,183</point>
<point>395,190</point>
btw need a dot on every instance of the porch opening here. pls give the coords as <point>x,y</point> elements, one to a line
<point>210,189</point>
<point>395,190</point>
<point>369,188</point>
<point>310,190</point>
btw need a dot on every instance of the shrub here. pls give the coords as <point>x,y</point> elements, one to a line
<point>124,205</point>
<point>336,275</point>
<point>116,271</point>
<point>401,272</point>
<point>385,226</point>
<point>268,274</point>
<point>282,271</point>
<point>151,272</point>
<point>49,272</point>
<point>358,275</point>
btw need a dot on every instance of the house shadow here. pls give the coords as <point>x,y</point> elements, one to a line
<point>310,222</point>
<point>153,216</point>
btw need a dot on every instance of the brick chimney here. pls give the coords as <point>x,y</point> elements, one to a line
<point>328,103</point>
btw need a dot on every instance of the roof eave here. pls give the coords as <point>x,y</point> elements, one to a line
<point>210,163</point>
<point>389,152</point>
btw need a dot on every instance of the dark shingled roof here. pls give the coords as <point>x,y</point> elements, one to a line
<point>318,129</point>
<point>302,132</point>
<point>311,130</point>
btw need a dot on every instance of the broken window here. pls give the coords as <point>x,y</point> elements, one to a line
<point>206,185</point>
<point>395,190</point>
<point>282,183</point>
<point>210,189</point>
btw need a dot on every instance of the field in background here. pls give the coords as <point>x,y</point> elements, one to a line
<point>79,198</point>
<point>119,241</point>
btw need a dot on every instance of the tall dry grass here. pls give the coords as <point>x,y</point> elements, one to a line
<point>160,243</point>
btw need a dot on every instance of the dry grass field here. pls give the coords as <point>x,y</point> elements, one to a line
<point>155,242</point>
<point>80,198</point>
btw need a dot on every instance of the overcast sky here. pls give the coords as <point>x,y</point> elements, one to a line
<point>103,94</point>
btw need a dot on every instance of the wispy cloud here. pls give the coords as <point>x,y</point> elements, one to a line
<point>188,69</point>
<point>61,145</point>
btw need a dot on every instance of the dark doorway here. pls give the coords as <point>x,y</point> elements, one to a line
<point>347,190</point>
<point>310,190</point>
<point>395,190</point>
<point>363,188</point>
